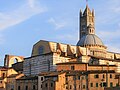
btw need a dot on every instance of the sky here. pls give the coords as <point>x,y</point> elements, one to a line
<point>25,22</point>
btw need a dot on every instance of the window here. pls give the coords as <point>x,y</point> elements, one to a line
<point>66,87</point>
<point>18,87</point>
<point>72,67</point>
<point>41,86</point>
<point>41,49</point>
<point>70,86</point>
<point>96,76</point>
<point>117,84</point>
<point>3,75</point>
<point>46,85</point>
<point>83,27</point>
<point>101,84</point>
<point>104,84</point>
<point>111,84</point>
<point>96,84</point>
<point>41,78</point>
<point>26,88</point>
<point>82,77</point>
<point>103,76</point>
<point>83,86</point>
<point>78,77</point>
<point>90,30</point>
<point>66,78</point>
<point>51,84</point>
<point>91,84</point>
<point>110,75</point>
<point>33,87</point>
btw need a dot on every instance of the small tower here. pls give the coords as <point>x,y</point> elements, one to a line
<point>86,19</point>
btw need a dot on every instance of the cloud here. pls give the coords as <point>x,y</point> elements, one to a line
<point>58,25</point>
<point>2,40</point>
<point>68,38</point>
<point>109,35</point>
<point>31,3</point>
<point>20,14</point>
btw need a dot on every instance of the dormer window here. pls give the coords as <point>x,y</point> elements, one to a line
<point>41,50</point>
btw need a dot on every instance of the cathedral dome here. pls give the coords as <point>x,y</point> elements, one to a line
<point>90,39</point>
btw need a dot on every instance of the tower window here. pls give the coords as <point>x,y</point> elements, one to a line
<point>90,30</point>
<point>83,27</point>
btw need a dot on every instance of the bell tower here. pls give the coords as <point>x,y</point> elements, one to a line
<point>86,19</point>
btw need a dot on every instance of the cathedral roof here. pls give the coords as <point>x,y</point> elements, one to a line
<point>90,39</point>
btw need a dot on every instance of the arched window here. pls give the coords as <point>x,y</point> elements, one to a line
<point>15,60</point>
<point>41,50</point>
<point>90,30</point>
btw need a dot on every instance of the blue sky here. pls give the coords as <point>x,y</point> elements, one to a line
<point>24,22</point>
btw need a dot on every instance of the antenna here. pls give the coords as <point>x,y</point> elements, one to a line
<point>86,2</point>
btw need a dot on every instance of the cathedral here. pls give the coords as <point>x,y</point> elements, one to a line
<point>89,49</point>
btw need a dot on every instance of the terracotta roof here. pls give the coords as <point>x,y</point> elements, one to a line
<point>104,58</point>
<point>28,78</point>
<point>13,76</point>
<point>72,62</point>
<point>70,73</point>
<point>55,73</point>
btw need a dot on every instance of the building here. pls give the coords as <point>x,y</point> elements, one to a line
<point>77,80</point>
<point>11,81</point>
<point>27,83</point>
